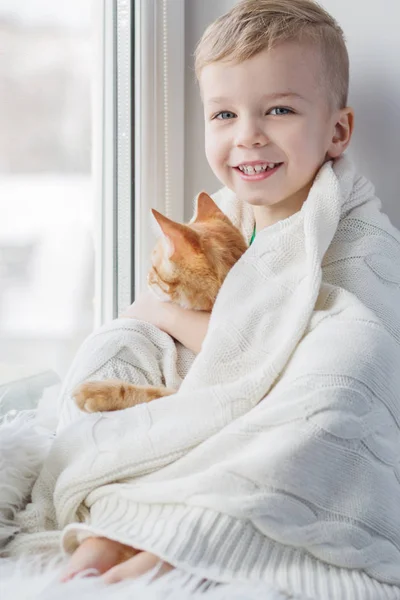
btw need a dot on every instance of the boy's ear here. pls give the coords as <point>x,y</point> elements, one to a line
<point>176,237</point>
<point>343,131</point>
<point>206,208</point>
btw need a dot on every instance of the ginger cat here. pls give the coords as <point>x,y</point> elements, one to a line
<point>189,264</point>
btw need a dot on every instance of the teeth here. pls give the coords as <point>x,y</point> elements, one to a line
<point>250,170</point>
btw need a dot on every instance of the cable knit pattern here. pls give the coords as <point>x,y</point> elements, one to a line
<point>279,457</point>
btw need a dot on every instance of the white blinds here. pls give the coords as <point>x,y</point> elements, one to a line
<point>159,120</point>
<point>139,120</point>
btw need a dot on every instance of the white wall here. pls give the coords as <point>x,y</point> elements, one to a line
<point>372,31</point>
<point>198,175</point>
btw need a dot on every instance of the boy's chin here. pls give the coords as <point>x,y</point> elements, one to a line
<point>256,197</point>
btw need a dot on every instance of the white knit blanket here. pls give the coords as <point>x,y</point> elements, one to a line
<point>279,458</point>
<point>24,444</point>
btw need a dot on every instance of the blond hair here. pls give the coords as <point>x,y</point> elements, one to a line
<point>255,25</point>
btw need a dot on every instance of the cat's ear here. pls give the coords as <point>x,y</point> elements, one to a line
<point>176,237</point>
<point>206,208</point>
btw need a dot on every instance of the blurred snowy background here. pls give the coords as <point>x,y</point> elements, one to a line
<point>46,200</point>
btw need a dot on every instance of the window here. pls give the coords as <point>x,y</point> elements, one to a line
<point>92,120</point>
<point>46,194</point>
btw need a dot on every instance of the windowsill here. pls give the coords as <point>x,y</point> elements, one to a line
<point>21,388</point>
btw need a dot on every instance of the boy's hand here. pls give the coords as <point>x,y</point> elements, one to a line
<point>187,326</point>
<point>147,307</point>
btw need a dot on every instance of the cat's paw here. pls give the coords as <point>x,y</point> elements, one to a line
<point>95,396</point>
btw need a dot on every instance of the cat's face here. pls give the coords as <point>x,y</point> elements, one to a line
<point>190,262</point>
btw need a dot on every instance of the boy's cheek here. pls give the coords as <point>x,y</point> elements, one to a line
<point>211,155</point>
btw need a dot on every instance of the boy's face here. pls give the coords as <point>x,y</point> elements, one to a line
<point>249,122</point>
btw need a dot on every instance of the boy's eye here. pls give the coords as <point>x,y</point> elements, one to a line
<point>224,114</point>
<point>280,111</point>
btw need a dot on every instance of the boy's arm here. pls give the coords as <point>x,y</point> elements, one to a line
<point>187,326</point>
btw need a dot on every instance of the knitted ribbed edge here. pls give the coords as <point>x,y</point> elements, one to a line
<point>223,549</point>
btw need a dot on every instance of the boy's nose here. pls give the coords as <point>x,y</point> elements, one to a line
<point>251,135</point>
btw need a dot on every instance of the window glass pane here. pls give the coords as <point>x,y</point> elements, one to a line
<point>46,200</point>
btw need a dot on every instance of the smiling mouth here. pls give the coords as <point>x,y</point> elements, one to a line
<point>253,169</point>
<point>258,172</point>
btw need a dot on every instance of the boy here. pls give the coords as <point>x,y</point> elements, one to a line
<point>274,77</point>
<point>271,95</point>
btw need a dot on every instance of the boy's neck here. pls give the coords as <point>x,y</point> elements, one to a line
<point>265,216</point>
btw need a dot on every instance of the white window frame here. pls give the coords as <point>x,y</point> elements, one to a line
<point>124,223</point>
